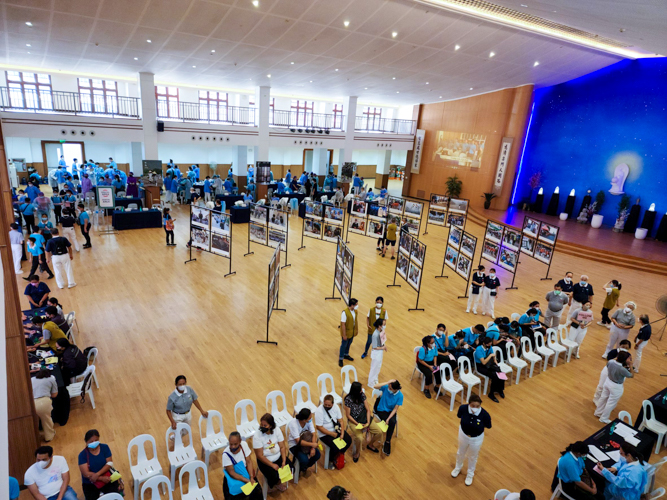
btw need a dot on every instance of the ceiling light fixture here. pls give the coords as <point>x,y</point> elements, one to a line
<point>255,3</point>
<point>28,23</point>
<point>393,78</point>
<point>394,34</point>
<point>457,47</point>
<point>136,58</point>
<point>492,54</point>
<point>194,66</point>
<point>346,23</point>
<point>537,63</point>
<point>212,51</point>
<point>149,41</point>
<point>524,5</point>
<point>292,62</point>
<point>470,88</point>
<point>397,92</point>
<point>311,81</point>
<point>28,45</point>
<point>426,83</point>
<point>440,97</point>
<point>268,76</point>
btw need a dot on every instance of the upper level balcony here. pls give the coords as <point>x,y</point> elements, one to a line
<point>69,103</point>
<point>204,113</point>
<point>384,125</point>
<point>306,120</point>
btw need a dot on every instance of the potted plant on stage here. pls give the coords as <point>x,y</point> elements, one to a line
<point>487,199</point>
<point>454,186</point>
<point>623,211</point>
<point>596,219</point>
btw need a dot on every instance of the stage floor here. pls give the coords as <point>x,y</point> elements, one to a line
<point>603,239</point>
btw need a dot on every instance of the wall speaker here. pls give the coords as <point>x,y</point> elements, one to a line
<point>160,126</point>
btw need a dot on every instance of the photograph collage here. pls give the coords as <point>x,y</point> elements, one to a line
<point>323,221</point>
<point>211,231</point>
<point>404,211</point>
<point>410,263</point>
<point>460,251</point>
<point>539,239</point>
<point>268,226</point>
<point>274,281</point>
<point>501,245</point>
<point>443,211</point>
<point>344,268</point>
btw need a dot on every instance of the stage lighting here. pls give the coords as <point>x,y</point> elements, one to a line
<point>320,131</point>
<point>292,130</point>
<point>326,131</point>
<point>300,130</point>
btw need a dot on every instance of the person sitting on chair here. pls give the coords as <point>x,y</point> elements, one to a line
<point>486,364</point>
<point>269,445</point>
<point>328,420</point>
<point>72,361</point>
<point>572,473</point>
<point>302,440</point>
<point>386,408</point>
<point>239,470</point>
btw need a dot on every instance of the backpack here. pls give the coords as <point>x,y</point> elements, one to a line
<point>169,225</point>
<point>61,247</point>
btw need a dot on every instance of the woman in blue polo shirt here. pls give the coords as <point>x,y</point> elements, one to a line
<point>95,465</point>
<point>426,363</point>
<point>485,361</point>
<point>571,468</point>
<point>386,407</point>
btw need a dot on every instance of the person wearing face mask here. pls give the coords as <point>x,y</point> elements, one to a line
<point>180,402</point>
<point>48,478</point>
<point>579,320</point>
<point>625,346</point>
<point>427,365</point>
<point>613,289</point>
<point>581,292</point>
<point>269,445</point>
<point>379,312</point>
<point>44,390</point>
<point>556,302</point>
<point>617,371</point>
<point>378,349</point>
<point>627,479</point>
<point>474,419</point>
<point>489,293</point>
<point>486,364</point>
<point>641,340</point>
<point>329,424</point>
<point>441,345</point>
<point>622,322</point>
<point>95,462</point>
<point>475,292</point>
<point>386,408</point>
<point>358,411</point>
<point>239,470</point>
<point>348,330</point>
<point>574,478</point>
<point>302,440</point>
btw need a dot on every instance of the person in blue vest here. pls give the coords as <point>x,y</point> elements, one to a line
<point>196,169</point>
<point>112,164</point>
<point>356,183</point>
<point>571,467</point>
<point>109,171</point>
<point>303,179</point>
<point>207,189</point>
<point>192,175</point>
<point>75,167</point>
<point>227,185</point>
<point>178,173</point>
<point>288,176</point>
<point>27,210</point>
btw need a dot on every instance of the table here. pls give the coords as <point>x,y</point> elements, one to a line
<point>659,408</point>
<point>124,202</point>
<point>239,215</point>
<point>229,199</point>
<point>136,219</point>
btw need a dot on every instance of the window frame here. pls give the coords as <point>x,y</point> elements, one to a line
<point>374,115</point>
<point>303,111</point>
<point>216,101</point>
<point>107,93</point>
<point>168,99</point>
<point>39,89</point>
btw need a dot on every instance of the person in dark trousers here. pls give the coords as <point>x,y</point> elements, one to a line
<point>95,463</point>
<point>485,361</point>
<point>348,330</point>
<point>168,224</point>
<point>642,338</point>
<point>72,360</point>
<point>27,210</point>
<point>386,408</point>
<point>84,222</point>
<point>37,292</point>
<point>427,363</point>
<point>36,248</point>
<point>474,419</point>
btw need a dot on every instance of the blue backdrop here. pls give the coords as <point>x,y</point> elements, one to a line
<point>582,129</point>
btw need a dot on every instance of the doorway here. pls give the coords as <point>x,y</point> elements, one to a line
<point>52,150</point>
<point>308,159</point>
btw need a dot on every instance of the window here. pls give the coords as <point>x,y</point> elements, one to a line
<point>213,106</point>
<point>98,96</point>
<point>29,90</point>
<point>371,118</point>
<point>303,112</point>
<point>167,101</point>
<point>338,116</point>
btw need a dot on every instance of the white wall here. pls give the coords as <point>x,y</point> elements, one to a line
<point>190,153</point>
<point>399,157</point>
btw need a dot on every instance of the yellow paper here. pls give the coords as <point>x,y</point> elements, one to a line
<point>248,487</point>
<point>359,426</point>
<point>114,477</point>
<point>383,426</point>
<point>285,474</point>
<point>51,361</point>
<point>319,447</point>
<point>340,443</point>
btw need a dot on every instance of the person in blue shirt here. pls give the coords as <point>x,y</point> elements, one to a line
<point>45,226</point>
<point>35,177</point>
<point>94,462</point>
<point>493,332</point>
<point>112,164</point>
<point>247,198</point>
<point>109,172</point>
<point>570,469</point>
<point>68,199</point>
<point>529,322</point>
<point>251,172</point>
<point>14,490</point>
<point>387,408</point>
<point>489,292</point>
<point>426,363</point>
<point>32,191</point>
<point>121,174</point>
<point>303,179</point>
<point>62,162</point>
<point>207,189</point>
<point>118,185</point>
<point>288,176</point>
<point>356,183</point>
<point>84,222</point>
<point>186,185</point>
<point>280,189</point>
<point>230,173</point>
<point>170,164</point>
<point>35,246</point>
<point>271,175</point>
<point>227,185</point>
<point>455,343</point>
<point>627,479</point>
<point>196,169</point>
<point>472,333</point>
<point>487,365</point>
<point>177,171</point>
<point>370,196</point>
<point>57,205</point>
<point>444,356</point>
<point>69,184</point>
<point>383,193</point>
<point>167,188</point>
<point>327,186</point>
<point>192,175</point>
<point>173,189</point>
<point>60,175</point>
<point>27,210</point>
<point>75,167</point>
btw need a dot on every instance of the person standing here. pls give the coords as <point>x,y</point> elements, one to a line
<point>180,402</point>
<point>474,419</point>
<point>579,321</point>
<point>489,293</point>
<point>16,241</point>
<point>475,292</point>
<point>35,247</point>
<point>623,320</point>
<point>207,189</point>
<point>59,251</point>
<point>37,292</point>
<point>358,412</point>
<point>378,349</point>
<point>624,346</point>
<point>95,462</point>
<point>84,222</point>
<point>67,222</point>
<point>581,293</point>
<point>348,330</point>
<point>379,312</point>
<point>44,390</point>
<point>617,372</point>
<point>641,340</point>
<point>86,185</point>
<point>132,186</point>
<point>613,289</point>
<point>57,201</point>
<point>328,421</point>
<point>48,478</point>
<point>168,224</point>
<point>390,239</point>
<point>27,210</point>
<point>556,302</point>
<point>386,408</point>
<point>173,190</point>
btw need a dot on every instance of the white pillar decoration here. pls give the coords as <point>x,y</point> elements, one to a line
<point>263,101</point>
<point>320,160</point>
<point>135,164</point>
<point>149,115</point>
<point>240,161</point>
<point>350,111</point>
<point>384,162</point>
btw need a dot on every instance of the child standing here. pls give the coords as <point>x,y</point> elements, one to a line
<point>168,224</point>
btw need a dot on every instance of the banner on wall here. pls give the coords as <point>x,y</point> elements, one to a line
<point>503,160</point>
<point>417,151</point>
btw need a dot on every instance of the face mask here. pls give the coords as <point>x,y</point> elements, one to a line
<point>432,346</point>
<point>475,411</point>
<point>583,283</point>
<point>44,463</point>
<point>235,450</point>
<point>585,308</point>
<point>378,305</point>
<point>557,292</point>
<point>492,275</point>
<point>93,445</point>
<point>439,333</point>
<point>264,430</point>
<point>180,388</point>
<point>627,310</point>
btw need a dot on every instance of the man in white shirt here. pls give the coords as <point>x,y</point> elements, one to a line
<point>329,423</point>
<point>16,240</point>
<point>302,440</point>
<point>48,477</point>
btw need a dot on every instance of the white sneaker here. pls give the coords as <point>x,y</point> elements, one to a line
<point>604,356</point>
<point>635,370</point>
<point>72,286</point>
<point>474,312</point>
<point>456,472</point>
<point>605,420</point>
<point>469,479</point>
<point>467,310</point>
<point>493,317</point>
<point>483,314</point>
<point>601,323</point>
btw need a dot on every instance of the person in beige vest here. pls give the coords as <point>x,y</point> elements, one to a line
<point>375,313</point>
<point>348,330</point>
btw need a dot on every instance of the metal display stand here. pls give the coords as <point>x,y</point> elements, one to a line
<point>323,222</point>
<point>273,293</point>
<point>342,252</point>
<point>435,204</point>
<point>267,229</point>
<point>539,240</point>
<point>410,243</point>
<point>367,218</point>
<point>455,250</point>
<point>210,235</point>
<point>498,242</point>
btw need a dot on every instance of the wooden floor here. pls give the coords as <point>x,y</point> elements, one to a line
<point>153,318</point>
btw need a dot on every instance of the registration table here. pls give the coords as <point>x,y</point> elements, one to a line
<point>229,199</point>
<point>136,219</point>
<point>125,202</point>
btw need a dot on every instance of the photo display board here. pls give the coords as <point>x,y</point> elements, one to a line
<point>410,262</point>
<point>459,253</point>
<point>445,211</point>
<point>344,271</point>
<point>408,210</point>
<point>539,240</point>
<point>274,282</point>
<point>269,227</point>
<point>211,231</point>
<point>501,246</point>
<point>323,221</point>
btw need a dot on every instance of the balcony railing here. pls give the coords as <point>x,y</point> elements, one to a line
<point>292,119</point>
<point>57,102</point>
<point>203,113</point>
<point>384,125</point>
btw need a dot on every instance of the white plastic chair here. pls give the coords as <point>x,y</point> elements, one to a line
<point>543,350</point>
<point>500,360</point>
<point>651,471</point>
<point>448,384</point>
<point>651,423</point>
<point>281,417</point>
<point>211,441</point>
<point>481,377</point>
<point>625,416</point>
<point>134,206</point>
<point>71,319</point>
<point>515,361</point>
<point>85,386</point>
<point>501,494</point>
<point>182,454</point>
<point>298,399</point>
<point>245,426</point>
<point>346,377</point>
<point>323,384</point>
<point>416,369</point>
<point>156,485</point>
<point>559,493</point>
<point>195,492</point>
<point>111,496</point>
<point>570,345</point>
<point>92,357</point>
<point>529,355</point>
<point>467,377</point>
<point>144,468</point>
<point>515,317</point>
<point>660,492</point>
<point>552,343</point>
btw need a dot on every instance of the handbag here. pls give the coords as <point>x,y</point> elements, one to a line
<point>575,324</point>
<point>336,423</point>
<point>98,484</point>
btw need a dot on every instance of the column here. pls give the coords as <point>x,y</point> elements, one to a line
<point>240,166</point>
<point>320,163</point>
<point>149,115</point>
<point>345,153</point>
<point>135,163</point>
<point>263,101</point>
<point>382,170</point>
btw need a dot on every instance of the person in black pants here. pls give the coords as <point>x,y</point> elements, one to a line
<point>426,363</point>
<point>329,424</point>
<point>84,222</point>
<point>485,361</point>
<point>386,408</point>
<point>168,224</point>
<point>38,258</point>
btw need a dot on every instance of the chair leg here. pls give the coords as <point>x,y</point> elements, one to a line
<point>451,405</point>
<point>207,456</point>
<point>172,471</point>
<point>92,398</point>
<point>95,379</point>
<point>518,376</point>
<point>532,367</point>
<point>136,489</point>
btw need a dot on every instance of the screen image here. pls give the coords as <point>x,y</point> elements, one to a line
<point>458,149</point>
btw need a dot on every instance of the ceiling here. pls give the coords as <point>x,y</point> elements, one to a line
<point>305,46</point>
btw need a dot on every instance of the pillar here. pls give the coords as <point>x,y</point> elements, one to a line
<point>149,115</point>
<point>382,170</point>
<point>263,101</point>
<point>345,153</point>
<point>320,162</point>
<point>135,163</point>
<point>240,166</point>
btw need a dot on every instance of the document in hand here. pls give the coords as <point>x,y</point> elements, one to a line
<point>383,426</point>
<point>340,443</point>
<point>359,426</point>
<point>248,487</point>
<point>285,474</point>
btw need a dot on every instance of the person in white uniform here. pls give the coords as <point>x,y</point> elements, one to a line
<point>378,348</point>
<point>16,241</point>
<point>617,372</point>
<point>474,419</point>
<point>475,291</point>
<point>180,403</point>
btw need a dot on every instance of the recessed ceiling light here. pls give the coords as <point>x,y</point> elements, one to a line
<point>292,62</point>
<point>346,23</point>
<point>537,63</point>
<point>194,66</point>
<point>311,81</point>
<point>457,47</point>
<point>426,83</point>
<point>136,58</point>
<point>149,41</point>
<point>268,76</point>
<point>393,78</point>
<point>394,34</point>
<point>470,88</point>
<point>28,45</point>
<point>255,3</point>
<point>397,92</point>
<point>28,23</point>
<point>440,97</point>
<point>524,5</point>
<point>492,54</point>
<point>212,51</point>
<point>365,88</point>
<point>336,69</point>
<point>28,52</point>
